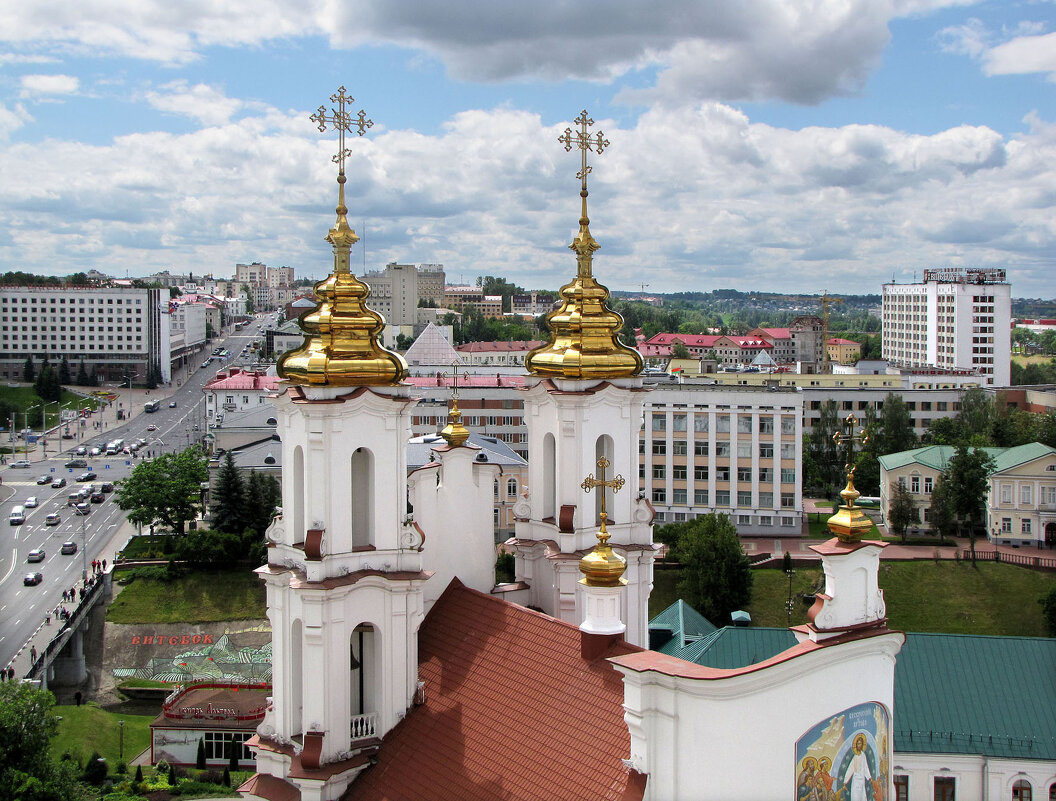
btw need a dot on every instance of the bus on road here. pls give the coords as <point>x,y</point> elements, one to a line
<point>151,406</point>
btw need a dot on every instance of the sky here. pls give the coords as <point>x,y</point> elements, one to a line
<point>778,145</point>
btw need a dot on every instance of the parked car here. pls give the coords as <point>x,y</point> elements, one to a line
<point>53,520</point>
<point>32,579</point>
<point>82,508</point>
<point>89,476</point>
<point>30,502</point>
<point>58,482</point>
<point>36,555</point>
<point>20,463</point>
<point>45,479</point>
<point>68,547</point>
<point>73,464</point>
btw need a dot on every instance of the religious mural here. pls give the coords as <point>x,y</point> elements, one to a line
<point>846,757</point>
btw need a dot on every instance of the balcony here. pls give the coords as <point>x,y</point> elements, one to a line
<point>364,726</point>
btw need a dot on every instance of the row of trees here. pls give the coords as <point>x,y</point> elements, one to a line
<point>49,381</point>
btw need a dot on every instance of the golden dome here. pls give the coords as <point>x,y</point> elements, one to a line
<point>454,432</point>
<point>341,345</point>
<point>849,524</point>
<point>584,340</point>
<point>602,567</point>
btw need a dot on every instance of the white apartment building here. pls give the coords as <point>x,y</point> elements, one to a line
<point>269,287</point>
<point>396,291</point>
<point>955,318</point>
<point>115,331</point>
<point>734,450</point>
<point>923,405</point>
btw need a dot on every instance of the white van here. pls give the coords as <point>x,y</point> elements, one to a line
<point>18,516</point>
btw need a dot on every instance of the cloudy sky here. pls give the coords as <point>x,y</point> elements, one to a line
<point>791,145</point>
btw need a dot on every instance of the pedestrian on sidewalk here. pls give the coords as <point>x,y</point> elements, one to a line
<point>32,653</point>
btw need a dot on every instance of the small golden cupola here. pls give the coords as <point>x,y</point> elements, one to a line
<point>454,432</point>
<point>584,341</point>
<point>850,524</point>
<point>341,346</point>
<point>602,567</point>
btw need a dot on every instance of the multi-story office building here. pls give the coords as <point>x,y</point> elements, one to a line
<point>396,291</point>
<point>116,331</point>
<point>734,450</point>
<point>953,319</point>
<point>269,287</point>
<point>923,405</point>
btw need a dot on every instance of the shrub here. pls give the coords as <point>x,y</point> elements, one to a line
<point>226,780</point>
<point>200,761</point>
<point>96,769</point>
<point>210,777</point>
<point>122,769</point>
<point>1048,605</point>
<point>505,568</point>
<point>172,776</point>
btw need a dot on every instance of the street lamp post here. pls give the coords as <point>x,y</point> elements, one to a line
<point>26,427</point>
<point>44,427</point>
<point>84,551</point>
<point>788,605</point>
<point>121,740</point>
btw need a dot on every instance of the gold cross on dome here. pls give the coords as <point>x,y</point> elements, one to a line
<point>589,483</point>
<point>584,141</point>
<point>343,122</point>
<point>454,379</point>
<point>850,438</point>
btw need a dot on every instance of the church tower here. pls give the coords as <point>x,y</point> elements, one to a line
<point>344,575</point>
<point>583,402</point>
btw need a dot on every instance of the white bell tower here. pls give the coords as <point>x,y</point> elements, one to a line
<point>344,577</point>
<point>583,402</point>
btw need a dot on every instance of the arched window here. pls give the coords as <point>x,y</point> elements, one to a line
<point>511,488</point>
<point>495,489</point>
<point>362,682</point>
<point>362,498</point>
<point>549,479</point>
<point>1021,790</point>
<point>1052,792</point>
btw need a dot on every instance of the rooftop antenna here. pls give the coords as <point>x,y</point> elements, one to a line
<point>363,239</point>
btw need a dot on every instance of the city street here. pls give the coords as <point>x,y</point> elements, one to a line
<point>23,609</point>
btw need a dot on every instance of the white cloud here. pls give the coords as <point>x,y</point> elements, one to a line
<point>693,198</point>
<point>48,85</point>
<point>12,120</point>
<point>206,104</point>
<point>751,49</point>
<point>1026,49</point>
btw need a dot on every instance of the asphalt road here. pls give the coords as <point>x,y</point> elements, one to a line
<point>23,608</point>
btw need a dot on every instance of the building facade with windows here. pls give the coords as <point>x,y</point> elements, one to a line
<point>736,451</point>
<point>955,318</point>
<point>115,331</point>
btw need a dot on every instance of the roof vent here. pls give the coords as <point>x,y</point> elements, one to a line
<point>269,459</point>
<point>482,457</point>
<point>271,421</point>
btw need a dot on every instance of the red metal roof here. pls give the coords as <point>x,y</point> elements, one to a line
<point>512,711</point>
<point>466,381</point>
<point>244,380</point>
<point>689,340</point>
<point>838,341</point>
<point>499,347</point>
<point>775,333</point>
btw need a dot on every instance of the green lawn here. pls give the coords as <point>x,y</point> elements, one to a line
<point>148,546</point>
<point>204,596</point>
<point>926,595</point>
<point>88,728</point>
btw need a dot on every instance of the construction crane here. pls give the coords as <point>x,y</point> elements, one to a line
<point>826,301</point>
<point>643,286</point>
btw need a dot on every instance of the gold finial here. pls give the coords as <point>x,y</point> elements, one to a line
<point>849,523</point>
<point>602,567</point>
<point>341,345</point>
<point>454,432</point>
<point>584,340</point>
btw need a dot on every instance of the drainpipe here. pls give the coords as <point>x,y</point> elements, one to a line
<point>986,779</point>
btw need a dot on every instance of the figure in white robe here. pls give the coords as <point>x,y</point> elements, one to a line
<point>857,773</point>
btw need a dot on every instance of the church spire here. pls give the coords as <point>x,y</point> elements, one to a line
<point>584,341</point>
<point>341,345</point>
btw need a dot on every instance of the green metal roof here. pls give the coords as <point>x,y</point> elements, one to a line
<point>954,693</point>
<point>1021,454</point>
<point>686,624</point>
<point>938,457</point>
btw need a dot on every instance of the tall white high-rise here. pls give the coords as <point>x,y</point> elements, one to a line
<point>955,319</point>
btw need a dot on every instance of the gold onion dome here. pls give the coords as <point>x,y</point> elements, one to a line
<point>454,432</point>
<point>602,567</point>
<point>849,524</point>
<point>584,342</point>
<point>341,345</point>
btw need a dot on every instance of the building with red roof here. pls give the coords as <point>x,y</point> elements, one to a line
<point>235,389</point>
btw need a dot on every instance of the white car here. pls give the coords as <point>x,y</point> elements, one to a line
<point>30,502</point>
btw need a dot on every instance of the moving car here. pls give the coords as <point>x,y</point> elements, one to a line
<point>89,476</point>
<point>30,502</point>
<point>75,463</point>
<point>97,497</point>
<point>36,555</point>
<point>96,451</point>
<point>81,450</point>
<point>32,579</point>
<point>68,547</point>
<point>172,404</point>
<point>20,463</point>
<point>152,427</point>
<point>53,520</point>
<point>82,508</point>
<point>58,482</point>
<point>107,487</point>
<point>45,479</point>
<point>18,516</point>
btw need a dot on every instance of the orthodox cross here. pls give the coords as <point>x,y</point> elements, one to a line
<point>454,380</point>
<point>342,121</point>
<point>850,438</point>
<point>584,141</point>
<point>615,483</point>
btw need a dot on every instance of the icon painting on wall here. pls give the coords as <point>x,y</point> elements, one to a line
<point>846,757</point>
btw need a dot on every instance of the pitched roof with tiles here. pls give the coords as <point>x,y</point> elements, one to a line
<point>775,333</point>
<point>689,340</point>
<point>519,346</point>
<point>972,715</point>
<point>512,711</point>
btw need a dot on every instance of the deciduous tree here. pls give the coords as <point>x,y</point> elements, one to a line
<point>901,511</point>
<point>968,475</point>
<point>165,490</point>
<point>716,576</point>
<point>27,770</point>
